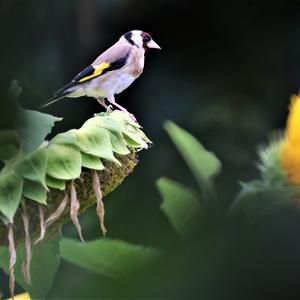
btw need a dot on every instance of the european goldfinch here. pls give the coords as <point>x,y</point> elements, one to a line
<point>112,72</point>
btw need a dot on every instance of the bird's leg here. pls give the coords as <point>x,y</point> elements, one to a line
<point>111,99</point>
<point>102,102</point>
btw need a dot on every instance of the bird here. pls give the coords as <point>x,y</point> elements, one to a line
<point>112,71</point>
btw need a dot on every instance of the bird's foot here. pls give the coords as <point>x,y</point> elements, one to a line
<point>109,109</point>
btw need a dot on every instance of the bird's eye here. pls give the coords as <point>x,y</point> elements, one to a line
<point>146,38</point>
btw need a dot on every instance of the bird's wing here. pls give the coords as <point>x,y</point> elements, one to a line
<point>90,72</point>
<point>114,58</point>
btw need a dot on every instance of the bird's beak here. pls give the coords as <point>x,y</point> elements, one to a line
<point>153,45</point>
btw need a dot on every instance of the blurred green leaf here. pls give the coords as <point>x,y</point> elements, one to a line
<point>257,200</point>
<point>11,186</point>
<point>112,258</point>
<point>35,191</point>
<point>34,166</point>
<point>202,163</point>
<point>33,127</point>
<point>15,89</point>
<point>44,265</point>
<point>181,206</point>
<point>9,144</point>
<point>64,162</point>
<point>7,152</point>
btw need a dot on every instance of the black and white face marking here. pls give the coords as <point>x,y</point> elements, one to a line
<point>136,37</point>
<point>128,37</point>
<point>140,39</point>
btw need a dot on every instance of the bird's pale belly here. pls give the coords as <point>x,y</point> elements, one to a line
<point>103,87</point>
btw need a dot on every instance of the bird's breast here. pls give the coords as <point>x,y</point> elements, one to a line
<point>123,81</point>
<point>109,84</point>
<point>136,64</point>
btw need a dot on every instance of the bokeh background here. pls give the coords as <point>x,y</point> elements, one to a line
<point>225,73</point>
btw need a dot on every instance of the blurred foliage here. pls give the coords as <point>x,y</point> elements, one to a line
<point>118,260</point>
<point>180,205</point>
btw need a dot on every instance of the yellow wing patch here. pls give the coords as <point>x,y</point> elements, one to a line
<point>24,296</point>
<point>98,71</point>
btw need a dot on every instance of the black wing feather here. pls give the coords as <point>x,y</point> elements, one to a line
<point>75,81</point>
<point>117,64</point>
<point>84,73</point>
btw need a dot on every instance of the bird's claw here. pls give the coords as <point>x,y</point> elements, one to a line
<point>109,109</point>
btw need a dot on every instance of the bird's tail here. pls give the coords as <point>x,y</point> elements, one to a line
<point>54,99</point>
<point>60,94</point>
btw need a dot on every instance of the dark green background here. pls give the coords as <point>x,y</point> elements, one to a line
<point>225,73</point>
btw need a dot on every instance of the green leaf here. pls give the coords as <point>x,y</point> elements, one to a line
<point>11,186</point>
<point>9,144</point>
<point>135,137</point>
<point>4,219</point>
<point>181,206</point>
<point>34,166</point>
<point>202,163</point>
<point>118,144</point>
<point>44,265</point>
<point>91,162</point>
<point>124,119</point>
<point>15,89</point>
<point>112,258</point>
<point>130,130</point>
<point>96,141</point>
<point>35,191</point>
<point>106,122</point>
<point>64,162</point>
<point>33,127</point>
<point>7,152</point>
<point>65,138</point>
<point>131,141</point>
<point>55,183</point>
<point>256,200</point>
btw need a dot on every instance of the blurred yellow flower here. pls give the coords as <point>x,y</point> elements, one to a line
<point>24,296</point>
<point>290,145</point>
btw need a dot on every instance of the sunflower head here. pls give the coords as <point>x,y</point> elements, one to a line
<point>290,144</point>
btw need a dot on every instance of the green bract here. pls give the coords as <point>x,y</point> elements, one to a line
<point>29,175</point>
<point>270,165</point>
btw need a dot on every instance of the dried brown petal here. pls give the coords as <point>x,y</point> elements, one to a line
<point>12,259</point>
<point>28,248</point>
<point>42,225</point>
<point>52,218</point>
<point>100,204</point>
<point>74,209</point>
<point>58,212</point>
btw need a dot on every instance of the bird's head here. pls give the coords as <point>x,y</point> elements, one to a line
<point>140,39</point>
